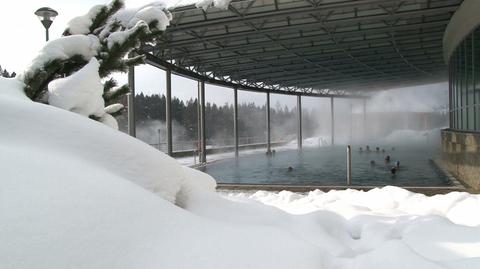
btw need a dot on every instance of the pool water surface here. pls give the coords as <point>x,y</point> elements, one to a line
<point>326,166</point>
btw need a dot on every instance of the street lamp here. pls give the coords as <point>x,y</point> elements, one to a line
<point>46,16</point>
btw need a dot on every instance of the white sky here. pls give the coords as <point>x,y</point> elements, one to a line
<point>23,36</point>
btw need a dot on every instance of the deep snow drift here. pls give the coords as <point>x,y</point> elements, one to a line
<point>75,193</point>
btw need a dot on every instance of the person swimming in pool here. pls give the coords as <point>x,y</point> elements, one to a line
<point>397,164</point>
<point>290,169</point>
<point>372,163</point>
<point>387,159</point>
<point>393,170</point>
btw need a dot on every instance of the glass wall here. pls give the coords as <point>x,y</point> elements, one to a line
<point>464,72</point>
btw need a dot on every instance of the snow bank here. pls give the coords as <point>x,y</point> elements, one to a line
<point>384,228</point>
<point>407,136</point>
<point>43,127</point>
<point>311,142</point>
<point>76,194</point>
<point>387,201</point>
<point>12,88</point>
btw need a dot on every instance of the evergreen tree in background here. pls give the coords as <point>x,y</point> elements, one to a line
<point>219,119</point>
<point>4,73</point>
<point>116,39</point>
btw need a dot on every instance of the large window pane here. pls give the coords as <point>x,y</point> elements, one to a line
<point>283,118</point>
<point>470,98</point>
<point>219,116</point>
<point>463,87</point>
<point>476,67</point>
<point>458,84</point>
<point>150,105</point>
<point>184,114</point>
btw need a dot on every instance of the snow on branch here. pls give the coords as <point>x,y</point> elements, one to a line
<point>205,4</point>
<point>97,42</point>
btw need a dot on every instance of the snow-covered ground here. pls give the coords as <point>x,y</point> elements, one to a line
<point>75,193</point>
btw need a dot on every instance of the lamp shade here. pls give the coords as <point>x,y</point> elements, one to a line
<point>46,16</point>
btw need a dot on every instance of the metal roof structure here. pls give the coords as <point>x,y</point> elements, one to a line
<point>308,47</point>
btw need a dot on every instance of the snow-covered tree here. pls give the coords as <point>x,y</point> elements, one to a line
<point>93,47</point>
<point>4,73</point>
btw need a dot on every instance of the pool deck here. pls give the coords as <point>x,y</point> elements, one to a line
<point>297,188</point>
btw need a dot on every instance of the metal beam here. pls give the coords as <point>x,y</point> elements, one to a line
<point>270,13</point>
<point>332,121</point>
<point>269,149</point>
<point>235,119</point>
<point>131,101</point>
<point>387,67</point>
<point>293,41</point>
<point>299,119</point>
<point>365,128</point>
<point>159,63</point>
<point>316,57</point>
<point>316,51</point>
<point>202,129</point>
<point>168,111</point>
<point>353,20</point>
<point>370,83</point>
<point>357,32</point>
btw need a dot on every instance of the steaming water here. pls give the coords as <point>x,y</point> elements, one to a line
<point>326,166</point>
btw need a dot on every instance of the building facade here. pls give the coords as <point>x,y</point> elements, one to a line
<point>461,141</point>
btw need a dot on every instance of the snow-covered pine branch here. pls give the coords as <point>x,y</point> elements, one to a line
<point>100,41</point>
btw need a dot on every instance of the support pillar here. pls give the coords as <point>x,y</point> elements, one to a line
<point>351,122</point>
<point>365,119</point>
<point>131,101</point>
<point>332,121</point>
<point>168,112</point>
<point>299,114</point>
<point>235,119</point>
<point>269,148</point>
<point>203,137</point>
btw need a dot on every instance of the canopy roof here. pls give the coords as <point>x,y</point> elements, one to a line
<point>311,47</point>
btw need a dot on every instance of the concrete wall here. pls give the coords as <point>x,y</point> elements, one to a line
<point>462,23</point>
<point>461,156</point>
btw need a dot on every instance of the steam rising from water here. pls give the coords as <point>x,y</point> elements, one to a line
<point>411,115</point>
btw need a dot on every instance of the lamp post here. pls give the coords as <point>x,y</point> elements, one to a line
<point>46,16</point>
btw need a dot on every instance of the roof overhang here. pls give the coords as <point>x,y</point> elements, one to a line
<point>317,47</point>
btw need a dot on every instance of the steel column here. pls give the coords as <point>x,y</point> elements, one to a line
<point>168,111</point>
<point>203,137</point>
<point>131,101</point>
<point>365,119</point>
<point>235,119</point>
<point>349,165</point>
<point>299,114</point>
<point>332,126</point>
<point>269,148</point>
<point>351,123</point>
